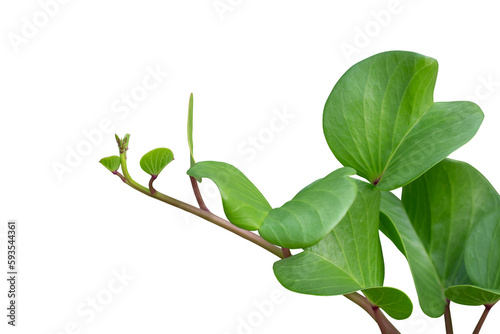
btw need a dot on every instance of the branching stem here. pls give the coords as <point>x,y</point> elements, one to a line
<point>203,212</point>
<point>197,194</point>
<point>479,325</point>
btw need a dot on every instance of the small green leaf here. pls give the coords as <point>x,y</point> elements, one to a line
<point>312,213</point>
<point>112,163</point>
<point>472,295</point>
<point>393,301</point>
<point>348,259</point>
<point>380,119</point>
<point>244,205</point>
<point>155,160</point>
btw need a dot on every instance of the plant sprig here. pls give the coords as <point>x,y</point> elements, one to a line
<point>381,122</point>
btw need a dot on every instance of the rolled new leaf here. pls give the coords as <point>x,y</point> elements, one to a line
<point>112,163</point>
<point>192,162</point>
<point>348,259</point>
<point>154,161</point>
<point>312,213</point>
<point>244,205</point>
<point>381,119</point>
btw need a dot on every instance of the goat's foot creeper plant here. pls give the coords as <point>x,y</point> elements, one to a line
<point>381,123</point>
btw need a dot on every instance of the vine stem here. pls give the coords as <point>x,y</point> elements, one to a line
<point>385,325</point>
<point>479,325</point>
<point>197,194</point>
<point>447,318</point>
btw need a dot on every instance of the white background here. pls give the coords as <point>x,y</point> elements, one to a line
<point>245,62</point>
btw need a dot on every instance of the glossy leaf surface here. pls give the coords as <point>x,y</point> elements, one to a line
<point>482,261</point>
<point>244,205</point>
<point>312,213</point>
<point>380,119</point>
<point>348,259</point>
<point>393,218</point>
<point>444,206</point>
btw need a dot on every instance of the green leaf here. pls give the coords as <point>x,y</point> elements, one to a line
<point>380,119</point>
<point>112,163</point>
<point>192,162</point>
<point>482,261</point>
<point>472,295</point>
<point>244,205</point>
<point>312,213</point>
<point>393,301</point>
<point>444,206</point>
<point>482,252</point>
<point>154,161</point>
<point>348,259</point>
<point>393,218</point>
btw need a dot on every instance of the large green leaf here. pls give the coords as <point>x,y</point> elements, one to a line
<point>155,160</point>
<point>348,259</point>
<point>444,206</point>
<point>244,205</point>
<point>380,119</point>
<point>312,213</point>
<point>395,224</point>
<point>482,261</point>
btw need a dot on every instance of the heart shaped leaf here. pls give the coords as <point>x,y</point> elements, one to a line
<point>154,161</point>
<point>112,163</point>
<point>244,205</point>
<point>442,207</point>
<point>312,213</point>
<point>482,261</point>
<point>348,259</point>
<point>380,119</point>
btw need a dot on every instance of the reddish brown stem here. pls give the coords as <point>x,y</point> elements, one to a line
<point>151,189</point>
<point>120,175</point>
<point>197,194</point>
<point>386,327</point>
<point>487,309</point>
<point>447,318</point>
<point>286,252</point>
